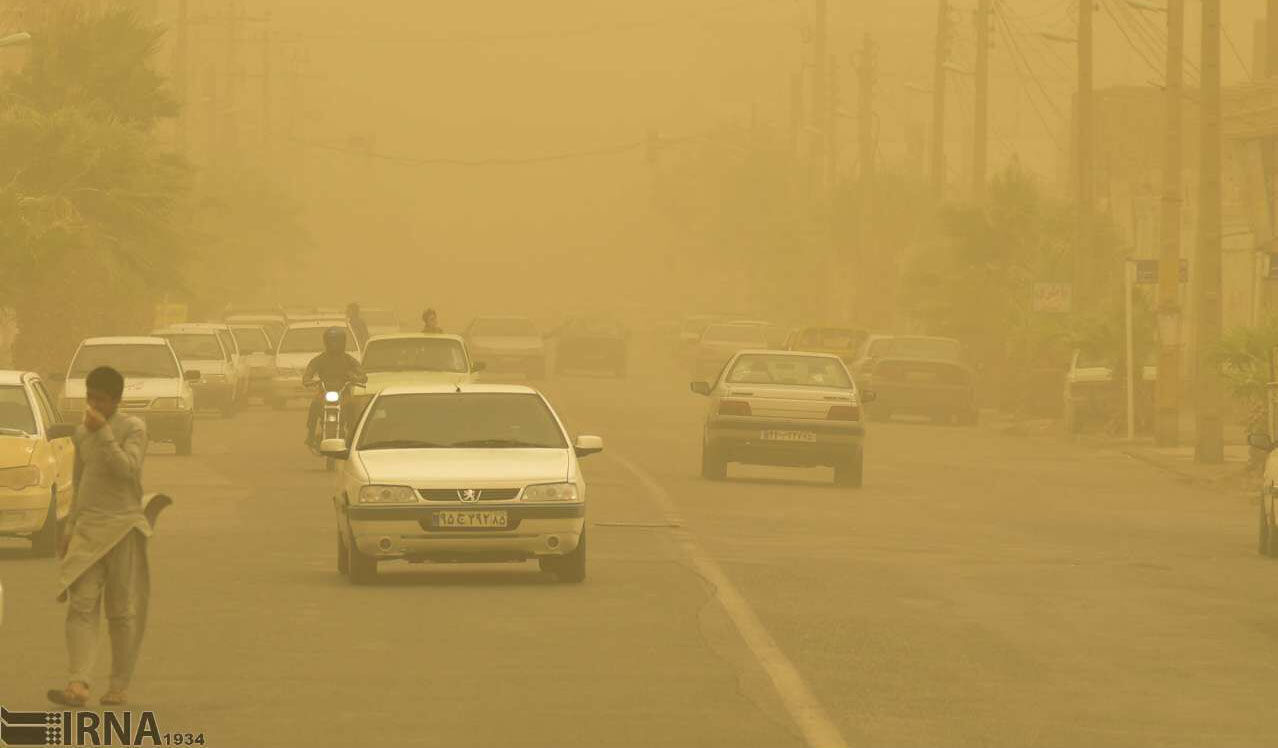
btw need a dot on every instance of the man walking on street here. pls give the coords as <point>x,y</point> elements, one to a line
<point>358,326</point>
<point>104,547</point>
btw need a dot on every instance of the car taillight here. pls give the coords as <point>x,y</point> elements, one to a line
<point>844,413</point>
<point>734,408</point>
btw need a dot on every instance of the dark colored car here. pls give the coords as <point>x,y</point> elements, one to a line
<point>918,375</point>
<point>591,343</point>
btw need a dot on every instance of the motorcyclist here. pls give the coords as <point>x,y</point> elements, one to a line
<point>334,368</point>
<point>430,323</point>
<point>357,324</point>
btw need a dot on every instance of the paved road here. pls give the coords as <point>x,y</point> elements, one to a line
<point>980,590</point>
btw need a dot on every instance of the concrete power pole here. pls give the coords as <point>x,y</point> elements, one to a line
<point>1084,187</point>
<point>980,127</point>
<point>816,153</point>
<point>1167,388</point>
<point>868,258</point>
<point>938,97</point>
<point>1207,385</point>
<point>181,73</point>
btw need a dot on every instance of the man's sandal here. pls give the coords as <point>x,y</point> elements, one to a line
<point>114,698</point>
<point>68,697</point>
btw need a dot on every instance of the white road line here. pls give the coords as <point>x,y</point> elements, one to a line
<point>819,731</point>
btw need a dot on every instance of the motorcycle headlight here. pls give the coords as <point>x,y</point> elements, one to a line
<point>332,397</point>
<point>551,492</point>
<point>20,477</point>
<point>387,495</point>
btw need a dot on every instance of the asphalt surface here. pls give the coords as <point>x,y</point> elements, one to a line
<point>981,589</point>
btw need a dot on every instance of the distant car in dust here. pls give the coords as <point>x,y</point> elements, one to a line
<point>918,375</point>
<point>507,343</point>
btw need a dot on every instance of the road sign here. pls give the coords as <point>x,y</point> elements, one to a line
<point>1056,298</point>
<point>1147,271</point>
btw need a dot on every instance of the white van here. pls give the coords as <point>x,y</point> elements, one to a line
<point>155,387</point>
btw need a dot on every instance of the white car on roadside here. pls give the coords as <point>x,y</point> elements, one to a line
<point>457,473</point>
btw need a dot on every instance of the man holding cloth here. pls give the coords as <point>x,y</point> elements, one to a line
<point>104,546</point>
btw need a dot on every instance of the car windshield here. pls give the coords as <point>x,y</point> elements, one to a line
<point>747,334</point>
<point>15,411</point>
<point>810,371</point>
<point>942,349</point>
<point>252,340</point>
<point>195,346</point>
<point>831,338</point>
<point>130,359</point>
<point>503,327</point>
<point>477,420</point>
<point>415,354</point>
<point>310,340</point>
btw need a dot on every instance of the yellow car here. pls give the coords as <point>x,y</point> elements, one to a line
<point>36,462</point>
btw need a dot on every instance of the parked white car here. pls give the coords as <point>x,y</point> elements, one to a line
<point>456,473</point>
<point>156,389</point>
<point>302,341</point>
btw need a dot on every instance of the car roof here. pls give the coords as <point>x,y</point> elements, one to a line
<point>797,354</point>
<point>414,336</point>
<point>465,389</point>
<point>185,326</point>
<point>12,376</point>
<point>175,329</point>
<point>126,340</point>
<point>253,317</point>
<point>502,316</point>
<point>300,324</point>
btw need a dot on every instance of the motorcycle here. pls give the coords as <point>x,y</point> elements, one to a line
<point>332,420</point>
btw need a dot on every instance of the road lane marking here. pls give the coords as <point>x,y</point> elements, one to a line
<point>818,730</point>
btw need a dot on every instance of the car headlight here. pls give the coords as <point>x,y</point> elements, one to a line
<point>20,477</point>
<point>551,492</point>
<point>387,495</point>
<point>69,405</point>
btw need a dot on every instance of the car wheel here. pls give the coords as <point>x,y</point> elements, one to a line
<point>569,568</point>
<point>45,542</point>
<point>360,568</point>
<point>183,443</point>
<point>343,562</point>
<point>849,472</point>
<point>714,466</point>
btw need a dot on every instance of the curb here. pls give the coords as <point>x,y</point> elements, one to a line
<point>1228,472</point>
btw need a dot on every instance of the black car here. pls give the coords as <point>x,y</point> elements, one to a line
<point>917,375</point>
<point>593,344</point>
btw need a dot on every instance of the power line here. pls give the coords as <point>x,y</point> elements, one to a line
<point>491,161</point>
<point>1122,29</point>
<point>1010,41</point>
<point>1234,48</point>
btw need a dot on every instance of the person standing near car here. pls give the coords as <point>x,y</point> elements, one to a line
<point>104,546</point>
<point>358,326</point>
<point>430,323</point>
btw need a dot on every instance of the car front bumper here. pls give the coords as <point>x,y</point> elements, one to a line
<point>23,512</point>
<point>741,439</point>
<point>165,425</point>
<point>406,532</point>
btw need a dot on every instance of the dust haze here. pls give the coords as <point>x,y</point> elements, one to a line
<point>685,372</point>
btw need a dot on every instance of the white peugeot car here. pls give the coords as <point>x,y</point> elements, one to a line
<point>457,473</point>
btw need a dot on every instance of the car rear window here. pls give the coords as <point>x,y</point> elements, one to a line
<point>252,340</point>
<point>809,371</point>
<point>415,354</point>
<point>195,346</point>
<point>487,420</point>
<point>310,340</point>
<point>748,334</point>
<point>832,338</point>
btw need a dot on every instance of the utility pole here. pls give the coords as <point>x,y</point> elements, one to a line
<point>1270,70</point>
<point>181,72</point>
<point>1207,385</point>
<point>232,55</point>
<point>938,97</point>
<point>267,50</point>
<point>1084,187</point>
<point>980,128</point>
<point>796,114</point>
<point>831,124</point>
<point>868,259</point>
<point>819,91</point>
<point>1167,387</point>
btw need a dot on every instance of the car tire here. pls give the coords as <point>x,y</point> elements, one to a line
<point>360,569</point>
<point>850,472</point>
<point>569,568</point>
<point>343,561</point>
<point>183,443</point>
<point>714,466</point>
<point>45,543</point>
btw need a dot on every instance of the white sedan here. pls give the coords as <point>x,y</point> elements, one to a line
<point>457,473</point>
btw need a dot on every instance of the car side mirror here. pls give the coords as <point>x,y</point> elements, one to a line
<point>1261,442</point>
<point>191,375</point>
<point>869,396</point>
<point>587,445</point>
<point>335,448</point>
<point>60,431</point>
<point>478,366</point>
<point>701,388</point>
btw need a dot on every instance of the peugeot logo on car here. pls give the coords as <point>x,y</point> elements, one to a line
<point>468,495</point>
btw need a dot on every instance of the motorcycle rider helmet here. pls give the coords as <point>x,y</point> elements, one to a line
<point>335,340</point>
